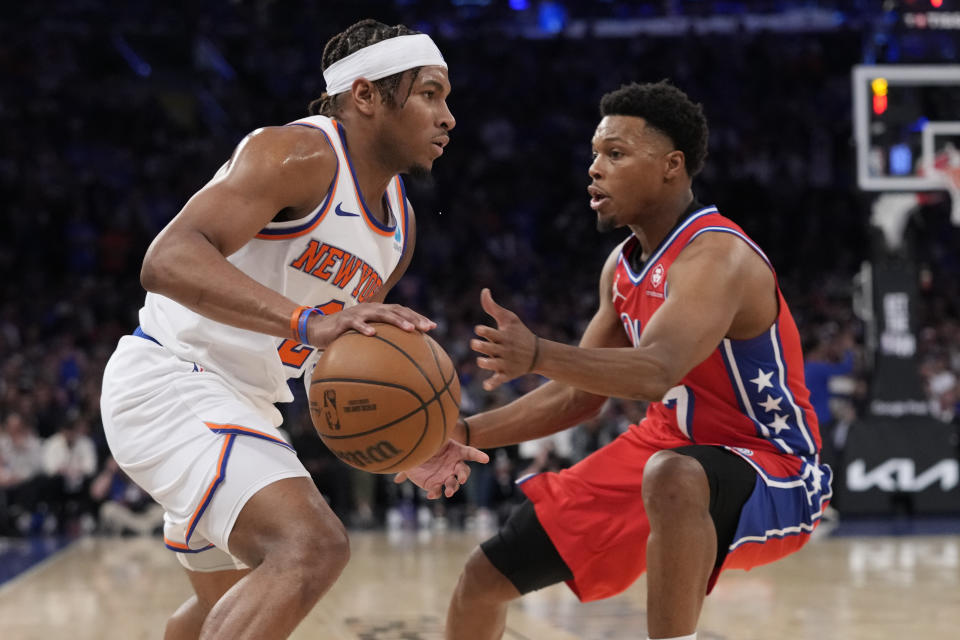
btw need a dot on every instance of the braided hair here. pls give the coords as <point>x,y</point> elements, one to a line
<point>352,39</point>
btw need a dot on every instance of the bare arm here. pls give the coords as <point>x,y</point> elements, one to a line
<point>555,406</point>
<point>717,287</point>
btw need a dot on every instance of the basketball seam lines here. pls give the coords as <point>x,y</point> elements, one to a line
<point>414,362</point>
<point>437,393</point>
<point>447,384</point>
<point>423,405</point>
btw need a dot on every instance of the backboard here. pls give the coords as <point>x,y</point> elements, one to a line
<point>906,120</point>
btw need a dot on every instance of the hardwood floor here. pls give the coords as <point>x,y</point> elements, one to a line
<point>398,584</point>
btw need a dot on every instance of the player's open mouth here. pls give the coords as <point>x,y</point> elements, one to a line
<point>596,202</point>
<point>597,197</point>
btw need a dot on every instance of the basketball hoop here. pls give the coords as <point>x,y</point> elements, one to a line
<point>950,177</point>
<point>944,167</point>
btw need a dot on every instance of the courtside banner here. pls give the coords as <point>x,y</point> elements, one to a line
<point>900,466</point>
<point>896,388</point>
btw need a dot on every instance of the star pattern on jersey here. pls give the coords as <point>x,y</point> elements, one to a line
<point>763,380</point>
<point>779,423</point>
<point>771,405</point>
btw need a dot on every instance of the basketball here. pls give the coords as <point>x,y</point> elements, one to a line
<point>384,403</point>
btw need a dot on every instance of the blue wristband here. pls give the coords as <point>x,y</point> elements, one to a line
<point>302,323</point>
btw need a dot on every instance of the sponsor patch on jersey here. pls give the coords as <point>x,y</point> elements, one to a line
<point>746,452</point>
<point>656,278</point>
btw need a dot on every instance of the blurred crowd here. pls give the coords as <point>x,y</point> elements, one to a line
<point>116,113</point>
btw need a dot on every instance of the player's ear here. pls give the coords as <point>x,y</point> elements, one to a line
<point>364,95</point>
<point>675,165</point>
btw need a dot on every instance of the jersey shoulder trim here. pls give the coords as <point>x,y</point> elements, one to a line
<point>635,278</point>
<point>733,231</point>
<point>293,228</point>
<point>372,222</point>
<point>404,222</point>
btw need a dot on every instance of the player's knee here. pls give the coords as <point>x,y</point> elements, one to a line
<point>674,484</point>
<point>186,620</point>
<point>480,581</point>
<point>329,552</point>
<point>313,557</point>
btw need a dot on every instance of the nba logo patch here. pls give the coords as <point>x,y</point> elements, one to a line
<point>657,276</point>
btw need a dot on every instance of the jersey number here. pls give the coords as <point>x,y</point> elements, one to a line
<point>292,353</point>
<point>681,399</point>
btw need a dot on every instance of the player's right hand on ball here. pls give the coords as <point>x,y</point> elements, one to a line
<point>322,330</point>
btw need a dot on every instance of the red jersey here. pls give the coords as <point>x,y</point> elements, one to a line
<point>748,394</point>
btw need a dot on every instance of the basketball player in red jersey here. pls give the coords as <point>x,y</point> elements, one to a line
<point>296,240</point>
<point>724,470</point>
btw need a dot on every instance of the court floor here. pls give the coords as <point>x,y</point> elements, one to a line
<point>397,585</point>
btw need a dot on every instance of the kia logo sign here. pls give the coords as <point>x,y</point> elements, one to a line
<point>900,474</point>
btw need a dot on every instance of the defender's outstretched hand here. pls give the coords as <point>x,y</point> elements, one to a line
<point>445,471</point>
<point>510,350</point>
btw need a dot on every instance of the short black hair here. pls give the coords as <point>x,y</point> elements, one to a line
<point>668,110</point>
<point>350,40</point>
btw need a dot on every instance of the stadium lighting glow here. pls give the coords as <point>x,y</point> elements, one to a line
<point>879,104</point>
<point>879,86</point>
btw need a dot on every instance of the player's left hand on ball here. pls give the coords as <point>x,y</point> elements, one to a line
<point>445,471</point>
<point>510,350</point>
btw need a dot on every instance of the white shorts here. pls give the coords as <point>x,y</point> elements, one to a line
<point>197,446</point>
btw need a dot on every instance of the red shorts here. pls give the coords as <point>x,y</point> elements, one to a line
<point>594,513</point>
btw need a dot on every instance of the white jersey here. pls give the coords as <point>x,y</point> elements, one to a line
<point>335,257</point>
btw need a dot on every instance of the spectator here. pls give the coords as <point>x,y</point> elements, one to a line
<point>22,486</point>
<point>829,355</point>
<point>70,461</point>
<point>124,507</point>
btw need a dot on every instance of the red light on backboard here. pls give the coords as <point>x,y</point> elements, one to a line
<point>879,104</point>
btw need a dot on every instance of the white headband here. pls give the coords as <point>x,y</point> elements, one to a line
<point>382,59</point>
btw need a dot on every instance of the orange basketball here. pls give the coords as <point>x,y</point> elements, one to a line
<point>384,403</point>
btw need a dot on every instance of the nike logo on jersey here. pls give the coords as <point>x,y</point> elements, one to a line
<point>341,212</point>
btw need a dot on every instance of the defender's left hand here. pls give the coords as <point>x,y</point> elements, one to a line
<point>446,471</point>
<point>511,349</point>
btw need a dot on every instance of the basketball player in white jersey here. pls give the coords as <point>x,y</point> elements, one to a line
<point>297,239</point>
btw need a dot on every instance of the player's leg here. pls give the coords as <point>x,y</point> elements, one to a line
<point>208,588</point>
<point>478,608</point>
<point>588,529</point>
<point>232,490</point>
<point>682,543</point>
<point>693,497</point>
<point>519,559</point>
<point>297,548</point>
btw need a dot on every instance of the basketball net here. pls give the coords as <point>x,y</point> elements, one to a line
<point>891,211</point>
<point>949,172</point>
